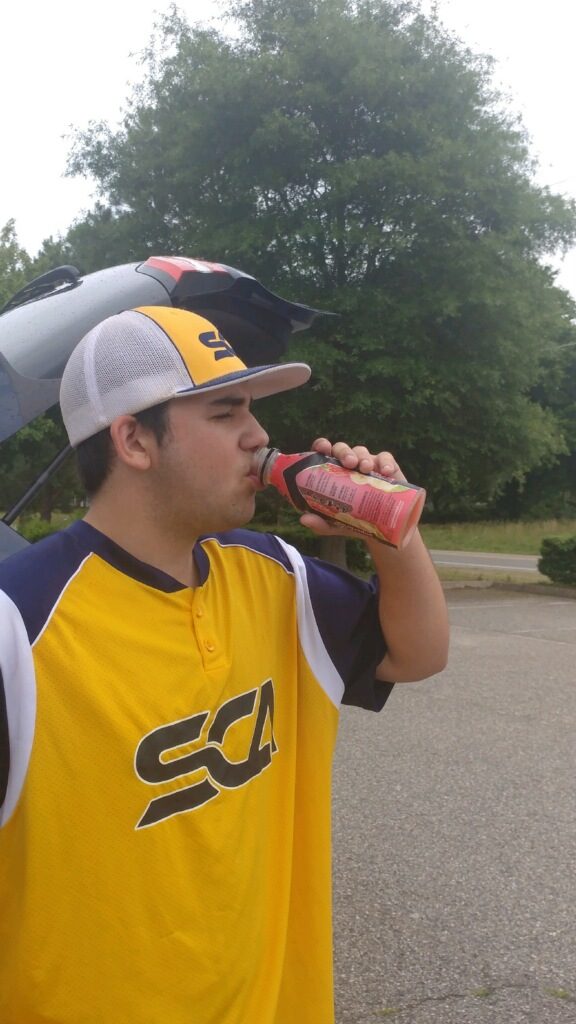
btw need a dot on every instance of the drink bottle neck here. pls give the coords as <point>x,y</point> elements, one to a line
<point>264,459</point>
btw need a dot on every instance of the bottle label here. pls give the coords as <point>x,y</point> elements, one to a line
<point>368,505</point>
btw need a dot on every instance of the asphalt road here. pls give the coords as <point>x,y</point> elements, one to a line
<point>484,560</point>
<point>455,829</point>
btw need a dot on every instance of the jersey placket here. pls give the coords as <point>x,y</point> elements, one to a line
<point>205,633</point>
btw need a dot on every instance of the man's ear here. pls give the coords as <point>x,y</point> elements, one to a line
<point>132,442</point>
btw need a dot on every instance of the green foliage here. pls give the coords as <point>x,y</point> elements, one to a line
<point>558,560</point>
<point>520,538</point>
<point>34,528</point>
<point>550,489</point>
<point>355,155</point>
<point>14,263</point>
<point>26,454</point>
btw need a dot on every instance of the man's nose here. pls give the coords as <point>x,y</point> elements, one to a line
<point>256,437</point>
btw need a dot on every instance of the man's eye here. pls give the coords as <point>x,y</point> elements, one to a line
<point>223,415</point>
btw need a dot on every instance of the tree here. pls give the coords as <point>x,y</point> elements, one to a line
<point>549,491</point>
<point>24,455</point>
<point>355,155</point>
<point>14,262</point>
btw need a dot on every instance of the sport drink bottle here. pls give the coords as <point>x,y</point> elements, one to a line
<point>371,505</point>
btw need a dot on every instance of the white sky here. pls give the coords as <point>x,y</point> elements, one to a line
<point>67,63</point>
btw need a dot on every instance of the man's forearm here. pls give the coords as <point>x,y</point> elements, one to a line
<point>413,612</point>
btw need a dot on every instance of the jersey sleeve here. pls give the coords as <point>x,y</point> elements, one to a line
<point>345,611</point>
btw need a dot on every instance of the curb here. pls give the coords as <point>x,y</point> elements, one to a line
<point>537,588</point>
<point>541,589</point>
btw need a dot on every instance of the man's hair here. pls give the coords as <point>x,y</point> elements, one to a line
<point>95,455</point>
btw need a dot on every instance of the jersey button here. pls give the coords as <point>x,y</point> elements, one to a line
<point>199,613</point>
<point>209,646</point>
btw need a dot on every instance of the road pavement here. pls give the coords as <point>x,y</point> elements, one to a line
<point>455,829</point>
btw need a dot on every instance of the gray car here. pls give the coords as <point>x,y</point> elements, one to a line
<point>42,323</point>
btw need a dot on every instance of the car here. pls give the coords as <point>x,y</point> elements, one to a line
<point>44,321</point>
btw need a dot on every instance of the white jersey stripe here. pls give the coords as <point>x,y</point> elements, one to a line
<point>20,691</point>
<point>310,637</point>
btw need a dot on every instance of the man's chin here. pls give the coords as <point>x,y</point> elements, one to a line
<point>237,518</point>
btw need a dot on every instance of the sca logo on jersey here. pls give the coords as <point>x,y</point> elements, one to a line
<point>154,763</point>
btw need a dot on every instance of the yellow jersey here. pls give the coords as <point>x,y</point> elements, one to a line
<point>165,780</point>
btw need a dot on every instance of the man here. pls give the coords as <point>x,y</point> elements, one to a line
<point>171,686</point>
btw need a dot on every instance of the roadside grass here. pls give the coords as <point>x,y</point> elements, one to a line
<point>510,538</point>
<point>63,519</point>
<point>450,575</point>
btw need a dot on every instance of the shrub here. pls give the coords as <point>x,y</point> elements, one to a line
<point>34,528</point>
<point>558,559</point>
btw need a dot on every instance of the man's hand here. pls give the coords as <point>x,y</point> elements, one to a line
<point>359,459</point>
<point>412,609</point>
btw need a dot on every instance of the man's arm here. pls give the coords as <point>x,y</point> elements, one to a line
<point>412,608</point>
<point>413,613</point>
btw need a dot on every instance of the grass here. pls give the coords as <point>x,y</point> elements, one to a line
<point>34,528</point>
<point>506,538</point>
<point>560,993</point>
<point>450,575</point>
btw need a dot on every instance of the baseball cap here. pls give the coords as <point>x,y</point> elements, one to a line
<point>142,357</point>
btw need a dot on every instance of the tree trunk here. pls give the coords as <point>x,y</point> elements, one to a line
<point>46,503</point>
<point>333,549</point>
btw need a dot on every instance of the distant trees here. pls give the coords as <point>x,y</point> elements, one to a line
<point>353,154</point>
<point>24,455</point>
<point>15,263</point>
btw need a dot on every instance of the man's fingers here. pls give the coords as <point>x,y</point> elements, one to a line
<point>386,464</point>
<point>322,444</point>
<point>360,458</point>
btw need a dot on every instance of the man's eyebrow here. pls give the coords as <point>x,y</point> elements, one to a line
<point>234,400</point>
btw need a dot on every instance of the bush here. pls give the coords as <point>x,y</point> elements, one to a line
<point>33,528</point>
<point>558,560</point>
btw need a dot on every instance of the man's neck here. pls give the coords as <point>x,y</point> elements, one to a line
<point>145,541</point>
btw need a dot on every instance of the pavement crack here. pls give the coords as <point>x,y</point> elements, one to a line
<point>486,991</point>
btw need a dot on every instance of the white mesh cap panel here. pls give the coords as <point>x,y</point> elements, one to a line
<point>123,365</point>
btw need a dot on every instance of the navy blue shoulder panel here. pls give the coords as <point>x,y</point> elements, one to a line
<point>33,578</point>
<point>93,540</point>
<point>36,576</point>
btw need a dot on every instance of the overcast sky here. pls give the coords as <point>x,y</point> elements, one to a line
<point>68,63</point>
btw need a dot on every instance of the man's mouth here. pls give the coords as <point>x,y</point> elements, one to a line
<point>255,480</point>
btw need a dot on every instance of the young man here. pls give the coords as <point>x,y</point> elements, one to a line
<point>171,686</point>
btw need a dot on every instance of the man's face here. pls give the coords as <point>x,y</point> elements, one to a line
<point>201,475</point>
